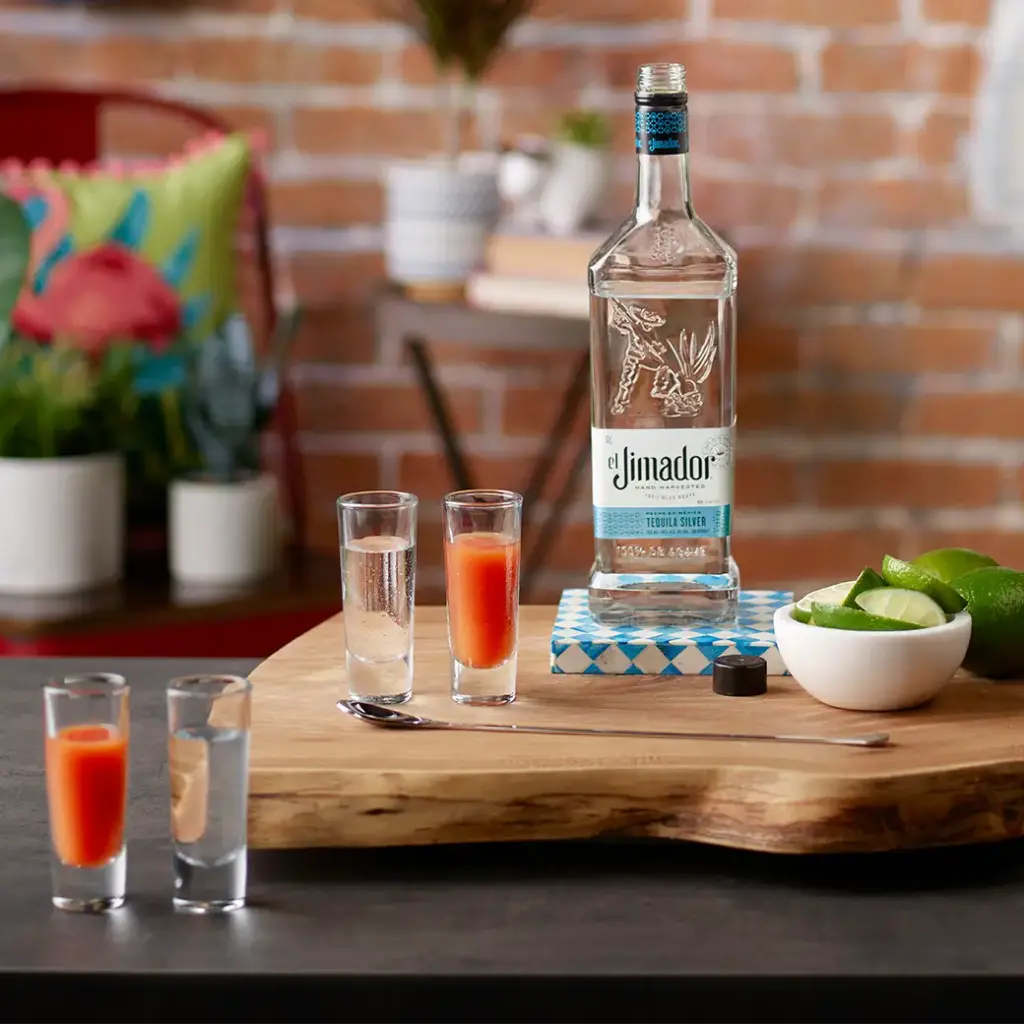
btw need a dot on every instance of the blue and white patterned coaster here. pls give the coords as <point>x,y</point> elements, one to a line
<point>581,646</point>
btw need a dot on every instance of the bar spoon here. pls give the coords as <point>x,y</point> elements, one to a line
<point>376,714</point>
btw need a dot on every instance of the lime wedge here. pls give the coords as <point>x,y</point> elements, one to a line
<point>835,594</point>
<point>867,580</point>
<point>910,606</point>
<point>835,616</point>
<point>898,573</point>
<point>950,564</point>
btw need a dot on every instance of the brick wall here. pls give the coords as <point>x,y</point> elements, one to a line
<point>880,337</point>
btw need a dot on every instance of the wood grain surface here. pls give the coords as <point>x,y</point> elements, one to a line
<point>321,778</point>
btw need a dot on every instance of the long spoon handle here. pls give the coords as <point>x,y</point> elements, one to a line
<point>874,739</point>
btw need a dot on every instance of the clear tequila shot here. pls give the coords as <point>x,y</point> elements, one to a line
<point>482,541</point>
<point>208,755</point>
<point>86,740</point>
<point>377,531</point>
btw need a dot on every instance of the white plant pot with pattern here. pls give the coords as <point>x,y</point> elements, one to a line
<point>61,524</point>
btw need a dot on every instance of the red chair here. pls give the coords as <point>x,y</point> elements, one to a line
<point>59,124</point>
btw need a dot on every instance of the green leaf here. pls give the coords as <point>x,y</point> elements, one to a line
<point>15,244</point>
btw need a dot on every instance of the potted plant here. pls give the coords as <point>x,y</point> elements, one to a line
<point>578,176</point>
<point>64,416</point>
<point>224,522</point>
<point>441,209</point>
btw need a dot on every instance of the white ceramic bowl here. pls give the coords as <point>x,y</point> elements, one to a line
<point>868,671</point>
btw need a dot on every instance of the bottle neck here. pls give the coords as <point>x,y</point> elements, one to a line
<point>663,185</point>
<point>663,163</point>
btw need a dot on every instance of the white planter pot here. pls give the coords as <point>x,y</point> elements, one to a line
<point>439,216</point>
<point>222,534</point>
<point>61,524</point>
<point>575,187</point>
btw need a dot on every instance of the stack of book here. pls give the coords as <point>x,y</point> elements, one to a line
<point>536,273</point>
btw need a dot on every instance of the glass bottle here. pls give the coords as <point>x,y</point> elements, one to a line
<point>662,312</point>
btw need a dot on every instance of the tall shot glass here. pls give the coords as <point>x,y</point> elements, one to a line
<point>377,532</point>
<point>208,755</point>
<point>86,739</point>
<point>482,539</point>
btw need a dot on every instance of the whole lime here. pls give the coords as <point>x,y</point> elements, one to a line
<point>995,599</point>
<point>948,564</point>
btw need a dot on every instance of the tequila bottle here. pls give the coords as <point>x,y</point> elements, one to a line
<point>663,386</point>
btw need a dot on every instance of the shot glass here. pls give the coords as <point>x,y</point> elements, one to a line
<point>86,730</point>
<point>377,533</point>
<point>208,755</point>
<point>482,538</point>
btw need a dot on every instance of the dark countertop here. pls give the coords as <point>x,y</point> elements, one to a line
<point>563,931</point>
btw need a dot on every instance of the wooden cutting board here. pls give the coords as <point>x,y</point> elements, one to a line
<point>321,778</point>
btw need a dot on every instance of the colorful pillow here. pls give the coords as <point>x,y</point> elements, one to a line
<point>120,253</point>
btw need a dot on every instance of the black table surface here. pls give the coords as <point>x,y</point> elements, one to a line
<point>608,930</point>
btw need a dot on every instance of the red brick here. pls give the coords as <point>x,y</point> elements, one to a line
<point>769,560</point>
<point>573,549</point>
<point>849,411</point>
<point>982,414</point>
<point>922,348</point>
<point>328,475</point>
<point>335,64</point>
<point>531,412</point>
<point>712,65</point>
<point>427,475</point>
<point>898,67</point>
<point>367,131</point>
<point>558,363</point>
<point>338,10</point>
<point>766,348</point>
<point>938,141</point>
<point>610,10</point>
<point>907,484</point>
<point>325,204</point>
<point>327,279</point>
<point>759,408</point>
<point>335,334</point>
<point>811,12</point>
<point>729,204</point>
<point>796,140</point>
<point>894,202</point>
<point>965,12</point>
<point>108,58</point>
<point>776,277</point>
<point>970,282</point>
<point>338,408</point>
<point>766,482</point>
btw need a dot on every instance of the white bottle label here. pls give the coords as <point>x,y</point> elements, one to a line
<point>662,483</point>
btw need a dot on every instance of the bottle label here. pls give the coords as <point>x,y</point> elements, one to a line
<point>662,132</point>
<point>662,483</point>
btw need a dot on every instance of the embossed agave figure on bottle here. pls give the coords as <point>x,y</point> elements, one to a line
<point>663,343</point>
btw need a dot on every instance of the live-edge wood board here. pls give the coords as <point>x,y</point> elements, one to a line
<point>319,778</point>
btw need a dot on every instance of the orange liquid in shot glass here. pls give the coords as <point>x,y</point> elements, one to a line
<point>86,783</point>
<point>482,581</point>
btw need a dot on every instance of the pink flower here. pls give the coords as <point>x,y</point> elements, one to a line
<point>99,297</point>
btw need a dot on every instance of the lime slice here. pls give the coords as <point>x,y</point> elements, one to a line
<point>949,564</point>
<point>898,573</point>
<point>867,580</point>
<point>835,594</point>
<point>910,606</point>
<point>836,616</point>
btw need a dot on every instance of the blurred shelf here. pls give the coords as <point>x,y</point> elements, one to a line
<point>149,616</point>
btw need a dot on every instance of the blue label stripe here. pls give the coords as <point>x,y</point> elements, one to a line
<point>662,523</point>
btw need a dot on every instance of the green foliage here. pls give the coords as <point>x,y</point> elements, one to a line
<point>15,243</point>
<point>463,34</point>
<point>230,396</point>
<point>58,402</point>
<point>585,128</point>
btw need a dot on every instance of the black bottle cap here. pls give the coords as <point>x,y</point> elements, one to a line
<point>740,675</point>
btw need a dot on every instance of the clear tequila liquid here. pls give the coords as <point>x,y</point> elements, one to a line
<point>663,391</point>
